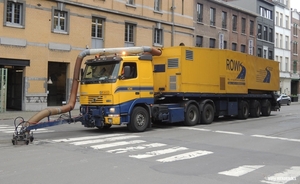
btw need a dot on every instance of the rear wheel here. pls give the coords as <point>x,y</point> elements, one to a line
<point>243,110</point>
<point>139,120</point>
<point>266,108</point>
<point>191,115</point>
<point>255,109</point>
<point>208,114</point>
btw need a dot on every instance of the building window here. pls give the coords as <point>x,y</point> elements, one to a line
<point>286,64</point>
<point>265,53</point>
<point>270,35</point>
<point>97,32</point>
<point>276,40</point>
<point>157,5</point>
<point>97,27</point>
<point>270,54</point>
<point>277,17</point>
<point>15,13</point>
<point>259,52</point>
<point>131,2</point>
<point>158,37</point>
<point>287,24</point>
<point>212,43</point>
<point>295,48</point>
<point>243,48</point>
<point>234,23</point>
<point>233,47</point>
<point>265,13</point>
<point>280,19</point>
<point>280,41</point>
<point>225,44</point>
<point>129,34</point>
<point>199,12</point>
<point>251,27</point>
<point>295,67</point>
<point>281,63</point>
<point>224,20</point>
<point>295,30</point>
<point>265,33</point>
<point>243,25</point>
<point>199,41</point>
<point>287,42</point>
<point>60,20</point>
<point>212,17</point>
<point>259,31</point>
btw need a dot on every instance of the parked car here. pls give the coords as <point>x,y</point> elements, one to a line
<point>284,99</point>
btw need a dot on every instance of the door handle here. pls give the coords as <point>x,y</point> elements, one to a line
<point>137,93</point>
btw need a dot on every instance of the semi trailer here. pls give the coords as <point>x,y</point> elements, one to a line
<point>138,86</point>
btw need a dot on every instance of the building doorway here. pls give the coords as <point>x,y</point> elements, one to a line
<point>56,83</point>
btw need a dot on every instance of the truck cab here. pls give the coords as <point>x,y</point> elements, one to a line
<point>116,91</point>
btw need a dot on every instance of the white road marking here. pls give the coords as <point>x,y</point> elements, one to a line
<point>284,177</point>
<point>104,140</point>
<point>86,138</point>
<point>185,156</point>
<point>139,147</point>
<point>159,152</point>
<point>278,138</point>
<point>3,125</point>
<point>226,132</point>
<point>122,143</point>
<point>12,130</point>
<point>198,129</point>
<point>239,171</point>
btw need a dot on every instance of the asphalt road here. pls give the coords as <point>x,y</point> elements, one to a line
<point>229,151</point>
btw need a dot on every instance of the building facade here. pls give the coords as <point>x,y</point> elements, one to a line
<point>40,40</point>
<point>264,23</point>
<point>224,26</point>
<point>282,43</point>
<point>295,51</point>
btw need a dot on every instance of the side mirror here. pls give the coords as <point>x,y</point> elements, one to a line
<point>81,73</point>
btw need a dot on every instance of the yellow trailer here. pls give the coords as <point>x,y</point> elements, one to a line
<point>204,70</point>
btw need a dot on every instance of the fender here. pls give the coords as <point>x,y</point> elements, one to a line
<point>203,102</point>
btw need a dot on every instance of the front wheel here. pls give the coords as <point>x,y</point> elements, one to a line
<point>139,120</point>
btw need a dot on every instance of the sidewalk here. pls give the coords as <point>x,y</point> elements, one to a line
<point>26,115</point>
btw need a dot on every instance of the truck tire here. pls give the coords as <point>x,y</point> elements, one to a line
<point>243,110</point>
<point>191,115</point>
<point>139,120</point>
<point>266,108</point>
<point>208,114</point>
<point>255,109</point>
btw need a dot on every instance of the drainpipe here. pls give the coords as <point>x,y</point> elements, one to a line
<point>172,21</point>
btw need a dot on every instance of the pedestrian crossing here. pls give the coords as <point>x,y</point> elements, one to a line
<point>135,147</point>
<point>121,144</point>
<point>11,129</point>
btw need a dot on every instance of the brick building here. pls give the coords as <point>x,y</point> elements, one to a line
<point>40,40</point>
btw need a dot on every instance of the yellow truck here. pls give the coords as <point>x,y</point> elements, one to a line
<point>177,84</point>
<point>138,86</point>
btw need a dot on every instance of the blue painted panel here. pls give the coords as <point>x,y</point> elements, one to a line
<point>176,114</point>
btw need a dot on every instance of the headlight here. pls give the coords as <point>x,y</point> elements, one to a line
<point>112,110</point>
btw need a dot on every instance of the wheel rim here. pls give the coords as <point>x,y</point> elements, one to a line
<point>192,116</point>
<point>140,120</point>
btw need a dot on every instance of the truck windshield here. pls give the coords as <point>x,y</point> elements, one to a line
<point>101,72</point>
